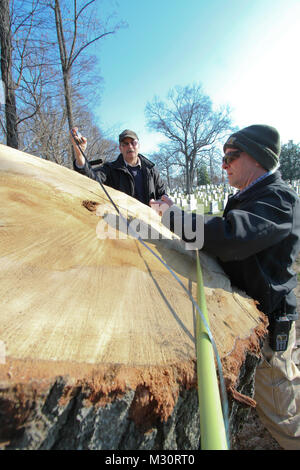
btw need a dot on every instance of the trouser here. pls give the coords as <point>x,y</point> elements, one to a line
<point>277,393</point>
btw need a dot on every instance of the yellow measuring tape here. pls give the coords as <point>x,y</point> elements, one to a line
<point>212,424</point>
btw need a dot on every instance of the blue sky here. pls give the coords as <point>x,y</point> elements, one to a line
<point>244,52</point>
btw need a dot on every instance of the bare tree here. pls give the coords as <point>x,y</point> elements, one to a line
<point>16,26</point>
<point>75,33</point>
<point>45,134</point>
<point>165,160</point>
<point>42,103</point>
<point>191,125</point>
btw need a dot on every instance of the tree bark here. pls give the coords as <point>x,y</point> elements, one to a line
<point>98,339</point>
<point>65,60</point>
<point>6,73</point>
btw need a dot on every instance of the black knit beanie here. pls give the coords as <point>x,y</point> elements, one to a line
<point>261,142</point>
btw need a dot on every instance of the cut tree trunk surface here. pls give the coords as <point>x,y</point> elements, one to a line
<point>97,337</point>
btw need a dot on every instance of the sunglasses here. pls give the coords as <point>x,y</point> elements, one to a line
<point>126,144</point>
<point>231,156</point>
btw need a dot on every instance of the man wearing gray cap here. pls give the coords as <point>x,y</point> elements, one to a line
<point>256,242</point>
<point>131,172</point>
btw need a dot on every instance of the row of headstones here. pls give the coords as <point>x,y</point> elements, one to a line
<point>214,196</point>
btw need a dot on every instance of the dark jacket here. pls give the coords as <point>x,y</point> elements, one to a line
<point>256,242</point>
<point>116,175</point>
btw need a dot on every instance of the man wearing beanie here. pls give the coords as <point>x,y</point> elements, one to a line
<point>131,172</point>
<point>256,242</point>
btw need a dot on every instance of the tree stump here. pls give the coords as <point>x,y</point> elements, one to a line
<point>97,339</point>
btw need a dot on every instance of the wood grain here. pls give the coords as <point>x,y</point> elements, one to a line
<point>75,304</point>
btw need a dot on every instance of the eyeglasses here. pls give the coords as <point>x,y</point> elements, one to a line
<point>231,156</point>
<point>133,143</point>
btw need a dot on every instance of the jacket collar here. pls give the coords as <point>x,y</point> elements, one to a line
<point>273,177</point>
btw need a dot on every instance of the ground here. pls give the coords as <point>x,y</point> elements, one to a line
<point>254,435</point>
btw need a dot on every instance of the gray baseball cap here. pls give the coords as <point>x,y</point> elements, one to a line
<point>128,133</point>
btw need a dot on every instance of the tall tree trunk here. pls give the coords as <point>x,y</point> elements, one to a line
<point>187,177</point>
<point>65,65</point>
<point>71,46</point>
<point>6,72</point>
<point>68,99</point>
<point>169,178</point>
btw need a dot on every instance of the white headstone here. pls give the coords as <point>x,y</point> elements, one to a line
<point>192,205</point>
<point>214,207</point>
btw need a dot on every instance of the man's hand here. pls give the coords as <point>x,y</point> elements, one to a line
<point>161,205</point>
<point>82,141</point>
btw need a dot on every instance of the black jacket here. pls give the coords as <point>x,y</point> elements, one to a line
<point>116,175</point>
<point>256,242</point>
